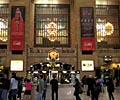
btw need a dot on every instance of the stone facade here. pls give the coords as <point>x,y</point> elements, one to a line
<point>32,55</point>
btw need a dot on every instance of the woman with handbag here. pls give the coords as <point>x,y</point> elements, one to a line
<point>78,89</point>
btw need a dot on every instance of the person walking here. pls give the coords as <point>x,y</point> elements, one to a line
<point>54,87</point>
<point>90,81</point>
<point>101,81</point>
<point>96,90</point>
<point>45,90</point>
<point>40,87</point>
<point>6,86</point>
<point>84,83</point>
<point>77,86</point>
<point>28,88</point>
<point>20,83</point>
<point>110,88</point>
<point>13,87</point>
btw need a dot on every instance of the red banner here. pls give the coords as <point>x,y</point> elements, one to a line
<point>17,28</point>
<point>88,44</point>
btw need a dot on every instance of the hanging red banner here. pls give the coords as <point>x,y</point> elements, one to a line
<point>88,44</point>
<point>17,28</point>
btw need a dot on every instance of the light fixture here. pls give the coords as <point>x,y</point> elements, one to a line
<point>52,28</point>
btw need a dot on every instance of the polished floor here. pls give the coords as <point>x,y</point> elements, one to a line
<point>66,93</point>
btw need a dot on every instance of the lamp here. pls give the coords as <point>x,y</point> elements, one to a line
<point>52,29</point>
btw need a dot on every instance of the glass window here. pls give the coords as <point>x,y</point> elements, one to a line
<point>107,26</point>
<point>3,23</point>
<point>55,34</point>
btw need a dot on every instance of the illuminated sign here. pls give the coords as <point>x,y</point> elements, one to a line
<point>87,65</point>
<point>16,65</point>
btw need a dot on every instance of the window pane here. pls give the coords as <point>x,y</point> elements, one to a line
<point>107,26</point>
<point>59,14</point>
<point>3,23</point>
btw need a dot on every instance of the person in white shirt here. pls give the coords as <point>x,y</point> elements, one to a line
<point>13,87</point>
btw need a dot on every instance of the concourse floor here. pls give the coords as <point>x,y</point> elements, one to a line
<point>66,93</point>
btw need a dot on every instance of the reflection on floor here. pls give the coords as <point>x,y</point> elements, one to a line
<point>66,93</point>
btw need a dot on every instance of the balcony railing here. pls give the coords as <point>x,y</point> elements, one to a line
<point>66,50</point>
<point>109,51</point>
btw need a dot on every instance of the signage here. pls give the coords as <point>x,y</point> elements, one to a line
<point>87,28</point>
<point>17,28</point>
<point>16,65</point>
<point>87,65</point>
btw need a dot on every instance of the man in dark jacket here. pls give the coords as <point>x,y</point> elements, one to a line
<point>96,90</point>
<point>110,88</point>
<point>5,86</point>
<point>54,84</point>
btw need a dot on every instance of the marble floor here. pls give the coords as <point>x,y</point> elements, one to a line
<point>66,93</point>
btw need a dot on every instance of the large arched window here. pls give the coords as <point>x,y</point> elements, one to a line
<point>107,26</point>
<point>59,15</point>
<point>3,23</point>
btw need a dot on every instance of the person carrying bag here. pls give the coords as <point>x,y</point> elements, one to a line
<point>78,90</point>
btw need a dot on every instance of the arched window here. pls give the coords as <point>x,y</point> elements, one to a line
<point>60,16</point>
<point>3,23</point>
<point>107,26</point>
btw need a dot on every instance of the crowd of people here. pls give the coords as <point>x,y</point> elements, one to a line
<point>12,88</point>
<point>93,86</point>
<point>42,88</point>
